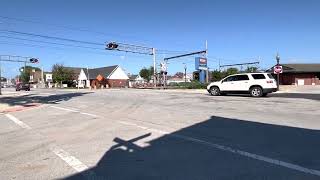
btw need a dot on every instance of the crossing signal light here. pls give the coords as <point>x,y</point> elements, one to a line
<point>34,60</point>
<point>112,45</point>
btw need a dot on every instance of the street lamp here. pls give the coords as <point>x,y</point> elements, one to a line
<point>278,74</point>
<point>185,72</point>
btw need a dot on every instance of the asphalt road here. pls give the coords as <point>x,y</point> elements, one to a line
<point>158,134</point>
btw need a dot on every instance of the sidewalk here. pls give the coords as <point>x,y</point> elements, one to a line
<point>308,89</point>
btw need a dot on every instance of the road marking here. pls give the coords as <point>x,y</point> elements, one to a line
<point>231,150</point>
<point>72,110</point>
<point>66,109</point>
<point>70,160</point>
<point>65,156</point>
<point>88,114</point>
<point>17,121</point>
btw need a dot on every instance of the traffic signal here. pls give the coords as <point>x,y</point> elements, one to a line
<point>34,60</point>
<point>112,45</point>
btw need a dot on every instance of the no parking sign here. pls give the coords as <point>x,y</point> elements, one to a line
<point>277,69</point>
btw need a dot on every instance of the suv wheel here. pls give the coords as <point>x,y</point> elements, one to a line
<point>256,91</point>
<point>214,91</point>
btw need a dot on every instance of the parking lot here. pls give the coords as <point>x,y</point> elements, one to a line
<point>158,134</point>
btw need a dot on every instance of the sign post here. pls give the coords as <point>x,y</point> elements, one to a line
<point>201,64</point>
<point>277,70</point>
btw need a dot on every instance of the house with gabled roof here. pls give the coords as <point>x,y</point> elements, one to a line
<point>103,77</point>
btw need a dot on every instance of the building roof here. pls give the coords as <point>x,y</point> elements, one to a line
<point>133,77</point>
<point>94,72</point>
<point>298,68</point>
<point>104,71</point>
<point>75,70</point>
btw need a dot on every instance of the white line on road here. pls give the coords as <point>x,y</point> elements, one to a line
<point>65,156</point>
<point>70,160</point>
<point>231,150</point>
<point>217,146</point>
<point>72,110</point>
<point>66,109</point>
<point>17,121</point>
<point>88,114</point>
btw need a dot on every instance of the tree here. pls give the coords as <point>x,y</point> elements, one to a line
<point>216,75</point>
<point>26,73</point>
<point>25,76</point>
<point>251,69</point>
<point>231,71</point>
<point>146,73</point>
<point>60,74</point>
<point>179,74</point>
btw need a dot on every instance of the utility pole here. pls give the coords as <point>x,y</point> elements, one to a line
<point>278,74</point>
<point>8,58</point>
<point>88,78</point>
<point>0,78</point>
<point>207,74</point>
<point>185,72</point>
<point>154,67</point>
<point>42,77</point>
<point>135,49</point>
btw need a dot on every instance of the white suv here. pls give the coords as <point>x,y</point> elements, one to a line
<point>256,84</point>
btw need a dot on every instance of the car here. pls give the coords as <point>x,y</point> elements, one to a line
<point>23,86</point>
<point>255,84</point>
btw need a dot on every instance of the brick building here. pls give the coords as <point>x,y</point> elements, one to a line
<point>299,74</point>
<point>110,76</point>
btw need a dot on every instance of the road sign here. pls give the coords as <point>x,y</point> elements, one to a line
<point>49,77</point>
<point>163,66</point>
<point>277,69</point>
<point>201,63</point>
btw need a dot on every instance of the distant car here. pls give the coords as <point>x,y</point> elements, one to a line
<point>255,84</point>
<point>23,86</point>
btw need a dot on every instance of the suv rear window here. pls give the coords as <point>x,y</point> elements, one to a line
<point>270,76</point>
<point>258,76</point>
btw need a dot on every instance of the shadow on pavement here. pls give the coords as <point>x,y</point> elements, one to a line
<point>192,153</point>
<point>282,95</point>
<point>297,96</point>
<point>29,99</point>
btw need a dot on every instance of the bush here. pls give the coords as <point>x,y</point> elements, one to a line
<point>188,85</point>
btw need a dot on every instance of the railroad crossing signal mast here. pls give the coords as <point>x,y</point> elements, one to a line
<point>135,49</point>
<point>10,58</point>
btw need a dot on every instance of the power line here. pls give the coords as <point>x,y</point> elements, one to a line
<point>52,37</point>
<point>71,28</point>
<point>10,37</point>
<point>50,47</point>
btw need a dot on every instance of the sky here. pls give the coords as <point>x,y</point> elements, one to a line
<point>237,31</point>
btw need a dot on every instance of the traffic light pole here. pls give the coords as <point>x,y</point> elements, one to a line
<point>207,74</point>
<point>0,78</point>
<point>136,49</point>
<point>154,67</point>
<point>9,59</point>
<point>278,74</point>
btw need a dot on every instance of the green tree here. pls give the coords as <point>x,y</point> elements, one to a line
<point>251,69</point>
<point>26,73</point>
<point>146,73</point>
<point>25,77</point>
<point>231,71</point>
<point>216,75</point>
<point>60,74</point>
